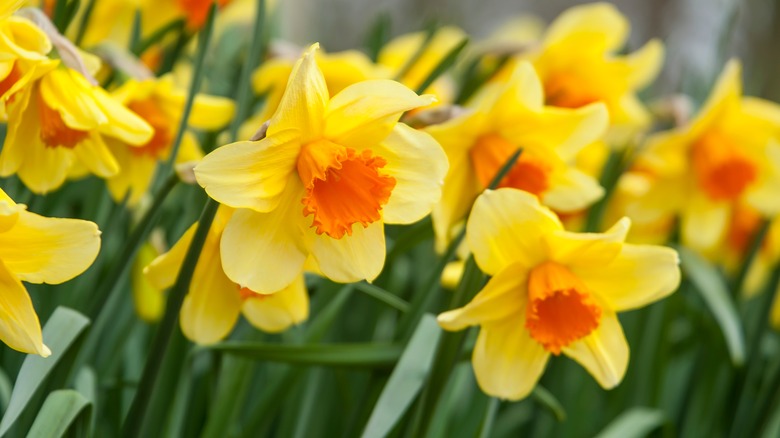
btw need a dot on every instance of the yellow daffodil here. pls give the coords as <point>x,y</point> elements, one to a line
<point>552,292</point>
<point>23,50</point>
<point>506,116</point>
<point>212,306</point>
<point>577,63</point>
<point>59,119</point>
<point>728,155</point>
<point>321,185</point>
<point>37,249</point>
<point>339,69</point>
<point>160,104</point>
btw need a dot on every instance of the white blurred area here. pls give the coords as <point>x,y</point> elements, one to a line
<point>700,35</point>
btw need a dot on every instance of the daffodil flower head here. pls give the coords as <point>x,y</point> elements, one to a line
<point>160,104</point>
<point>322,183</point>
<point>62,118</point>
<point>552,292</point>
<point>578,65</point>
<point>63,249</point>
<point>504,117</point>
<point>214,302</point>
<point>728,155</point>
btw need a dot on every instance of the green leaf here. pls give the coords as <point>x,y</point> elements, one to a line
<point>348,355</point>
<point>635,422</point>
<point>546,399</point>
<point>406,380</point>
<point>62,410</point>
<point>713,290</point>
<point>383,296</point>
<point>444,65</point>
<point>5,390</point>
<point>61,331</point>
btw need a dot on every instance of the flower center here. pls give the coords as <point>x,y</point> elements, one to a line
<point>560,309</point>
<point>343,187</point>
<point>245,293</point>
<point>148,110</point>
<point>567,91</point>
<point>745,221</point>
<point>13,76</point>
<point>54,131</point>
<point>722,169</point>
<point>198,10</point>
<point>530,173</point>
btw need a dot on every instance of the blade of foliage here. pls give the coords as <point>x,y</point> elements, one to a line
<point>60,332</point>
<point>713,290</point>
<point>383,296</point>
<point>64,411</point>
<point>406,380</point>
<point>548,400</point>
<point>634,423</point>
<point>349,355</point>
<point>444,65</point>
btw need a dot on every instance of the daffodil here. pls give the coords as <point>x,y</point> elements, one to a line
<point>149,300</point>
<point>503,118</point>
<point>160,104</point>
<point>61,118</point>
<point>728,155</point>
<point>323,182</point>
<point>23,50</point>
<point>578,64</point>
<point>37,249</point>
<point>552,292</point>
<point>211,308</point>
<point>340,70</point>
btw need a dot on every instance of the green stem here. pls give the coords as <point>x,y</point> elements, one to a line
<point>135,418</point>
<point>446,62</point>
<point>383,296</point>
<point>489,419</point>
<point>243,93</point>
<point>134,241</point>
<point>197,77</point>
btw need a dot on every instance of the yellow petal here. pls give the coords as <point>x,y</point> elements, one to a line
<point>251,174</point>
<point>163,270</point>
<point>360,256</point>
<point>95,155</point>
<point>460,189</point>
<point>724,96</point>
<point>638,276</point>
<point>504,296</point>
<point>122,123</point>
<point>19,325</point>
<point>763,195</point>
<point>135,175</point>
<point>25,39</point>
<point>507,361</point>
<point>566,131</point>
<point>571,190</point>
<point>209,113</point>
<point>9,7</point>
<point>704,223</point>
<point>68,92</point>
<point>601,22</point>
<point>304,101</point>
<point>588,249</point>
<point>149,301</point>
<point>645,64</point>
<point>49,250</point>
<point>419,165</point>
<point>603,353</point>
<point>212,306</point>
<point>265,252</point>
<point>507,226</point>
<point>276,312</point>
<point>364,113</point>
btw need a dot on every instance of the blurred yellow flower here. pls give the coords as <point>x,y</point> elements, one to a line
<point>212,306</point>
<point>329,174</point>
<point>552,292</point>
<point>578,65</point>
<point>9,7</point>
<point>149,300</point>
<point>37,249</point>
<point>728,155</point>
<point>506,116</point>
<point>160,104</point>
<point>61,118</point>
